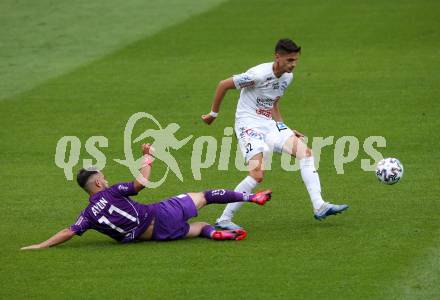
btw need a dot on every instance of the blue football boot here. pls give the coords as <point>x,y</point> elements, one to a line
<point>328,209</point>
<point>227,225</point>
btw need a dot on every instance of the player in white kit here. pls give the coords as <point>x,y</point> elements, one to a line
<point>260,129</point>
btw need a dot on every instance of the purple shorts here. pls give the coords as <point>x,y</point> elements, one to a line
<point>171,218</point>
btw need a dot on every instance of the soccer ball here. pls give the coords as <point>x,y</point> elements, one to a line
<point>389,170</point>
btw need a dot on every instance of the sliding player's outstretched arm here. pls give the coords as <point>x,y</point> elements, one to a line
<point>220,93</point>
<point>145,170</point>
<point>59,238</point>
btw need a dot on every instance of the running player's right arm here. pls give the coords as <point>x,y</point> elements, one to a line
<point>220,92</point>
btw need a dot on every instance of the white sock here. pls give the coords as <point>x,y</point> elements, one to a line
<point>311,180</point>
<point>246,186</point>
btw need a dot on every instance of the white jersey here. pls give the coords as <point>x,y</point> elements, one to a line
<point>260,88</point>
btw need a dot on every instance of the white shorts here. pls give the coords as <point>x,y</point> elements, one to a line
<point>260,136</point>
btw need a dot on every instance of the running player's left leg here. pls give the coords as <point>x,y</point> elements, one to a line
<point>295,146</point>
<point>251,142</point>
<point>246,186</point>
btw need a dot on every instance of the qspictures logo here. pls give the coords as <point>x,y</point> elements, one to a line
<point>207,151</point>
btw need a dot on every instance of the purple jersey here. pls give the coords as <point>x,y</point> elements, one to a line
<point>113,213</point>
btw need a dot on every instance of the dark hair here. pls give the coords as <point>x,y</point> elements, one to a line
<point>83,176</point>
<point>285,46</point>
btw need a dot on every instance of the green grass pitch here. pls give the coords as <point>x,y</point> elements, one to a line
<point>82,69</point>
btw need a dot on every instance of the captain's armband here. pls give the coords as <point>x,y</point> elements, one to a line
<point>281,126</point>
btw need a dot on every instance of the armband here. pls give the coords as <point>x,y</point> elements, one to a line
<point>213,114</point>
<point>281,126</point>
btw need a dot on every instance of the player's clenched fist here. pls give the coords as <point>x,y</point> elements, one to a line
<point>208,119</point>
<point>147,149</point>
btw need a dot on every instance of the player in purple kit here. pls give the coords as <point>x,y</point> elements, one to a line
<point>112,212</point>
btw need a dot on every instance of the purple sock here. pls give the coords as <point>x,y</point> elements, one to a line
<point>206,231</point>
<point>224,196</point>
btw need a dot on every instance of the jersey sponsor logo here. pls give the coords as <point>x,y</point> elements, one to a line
<point>264,106</point>
<point>218,192</point>
<point>246,84</point>
<point>245,81</point>
<point>264,112</point>
<point>252,133</point>
<point>283,85</point>
<point>122,187</point>
<point>276,85</point>
<point>265,103</point>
